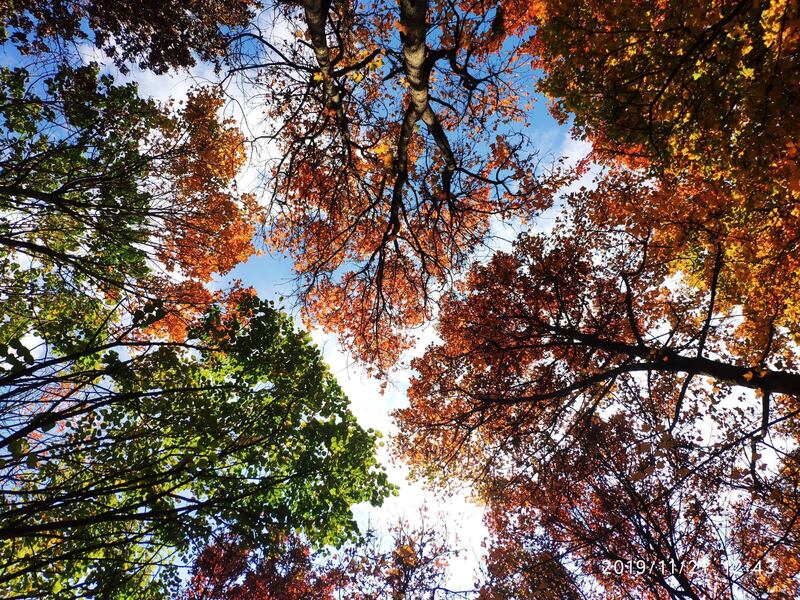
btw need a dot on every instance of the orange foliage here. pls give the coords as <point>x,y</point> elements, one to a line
<point>694,110</point>
<point>210,229</point>
<point>392,165</point>
<point>204,226</point>
<point>598,408</point>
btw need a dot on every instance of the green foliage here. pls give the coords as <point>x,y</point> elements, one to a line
<point>241,428</point>
<point>73,203</point>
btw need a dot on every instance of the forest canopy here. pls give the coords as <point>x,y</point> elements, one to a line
<point>619,386</point>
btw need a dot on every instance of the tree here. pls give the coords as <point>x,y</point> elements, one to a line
<point>623,390</point>
<point>589,524</point>
<point>692,278</point>
<point>157,35</point>
<point>105,197</point>
<point>592,401</point>
<point>679,268</point>
<point>394,155</point>
<point>108,201</point>
<point>714,87</point>
<point>379,217</point>
<point>287,574</point>
<point>694,111</point>
<point>412,565</point>
<point>124,456</point>
<point>140,412</point>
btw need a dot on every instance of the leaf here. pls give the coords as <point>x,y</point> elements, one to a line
<point>18,447</point>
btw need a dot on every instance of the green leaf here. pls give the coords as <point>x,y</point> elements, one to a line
<point>18,447</point>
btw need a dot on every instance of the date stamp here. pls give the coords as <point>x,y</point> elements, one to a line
<point>667,568</point>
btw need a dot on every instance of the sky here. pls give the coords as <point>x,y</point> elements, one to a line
<point>272,276</point>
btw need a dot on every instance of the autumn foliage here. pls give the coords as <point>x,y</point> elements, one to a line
<point>694,110</point>
<point>140,408</point>
<point>154,35</point>
<point>400,139</point>
<point>207,227</point>
<point>411,562</point>
<point>623,389</point>
<point>394,157</point>
<point>619,387</point>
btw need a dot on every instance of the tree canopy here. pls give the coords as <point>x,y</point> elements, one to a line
<point>391,123</point>
<point>142,411</point>
<point>620,389</point>
<point>123,454</point>
<point>411,562</point>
